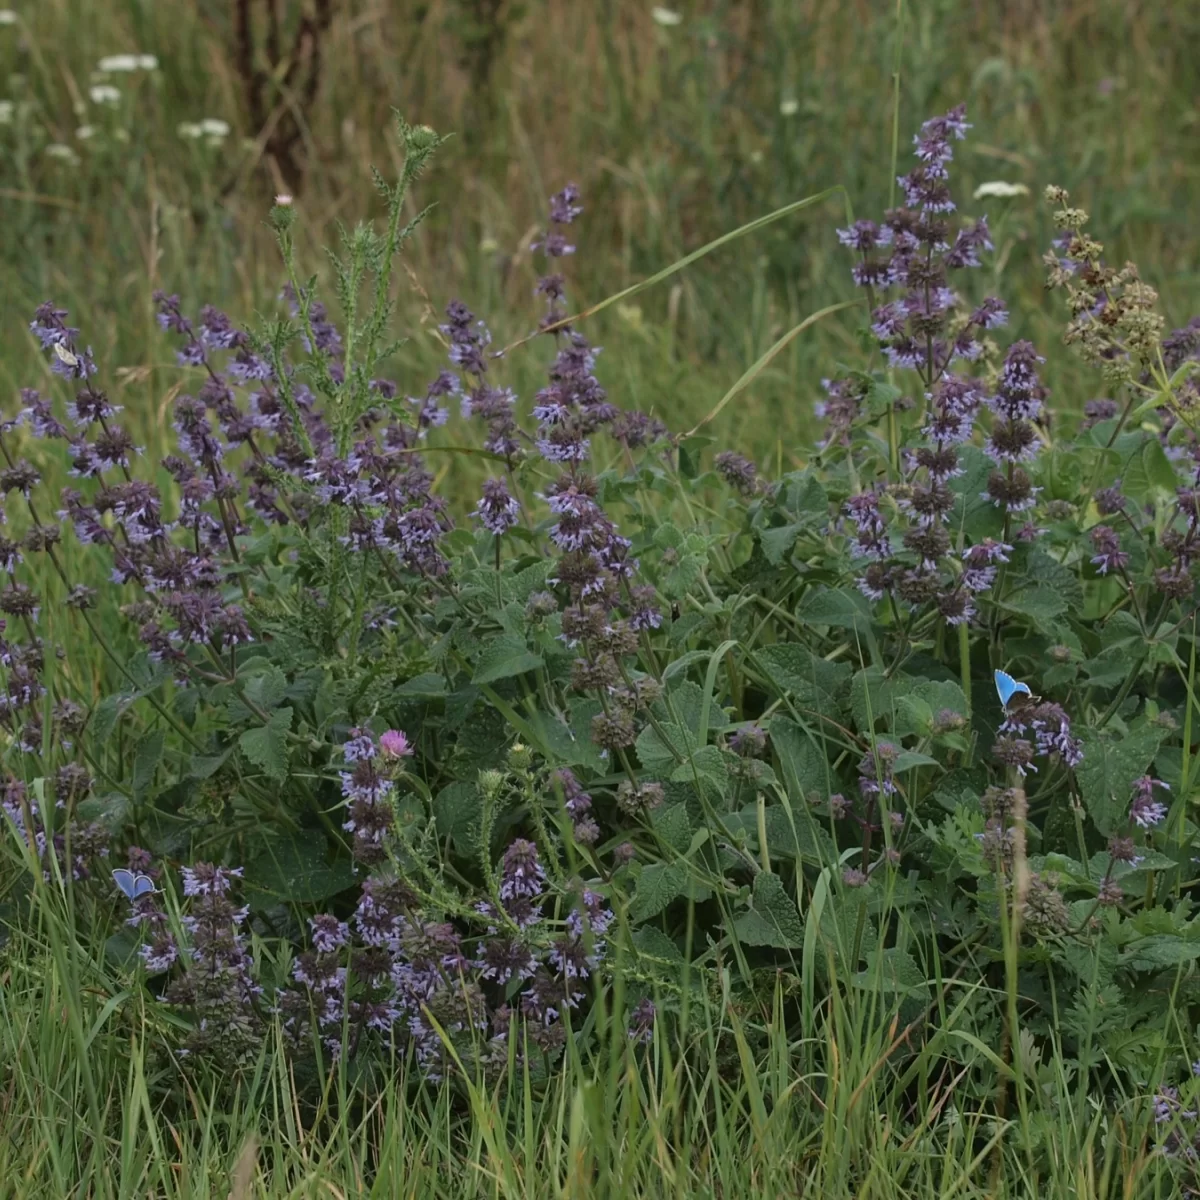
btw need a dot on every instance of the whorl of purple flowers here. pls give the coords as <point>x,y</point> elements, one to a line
<point>248,440</point>
<point>917,328</point>
<point>1052,736</point>
<point>1144,810</point>
<point>367,791</point>
<point>381,977</point>
<point>216,982</point>
<point>74,846</point>
<point>924,326</point>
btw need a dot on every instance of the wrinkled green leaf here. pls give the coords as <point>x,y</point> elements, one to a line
<point>841,608</point>
<point>503,658</point>
<point>808,678</point>
<point>772,919</point>
<point>145,762</point>
<point>805,767</point>
<point>298,870</point>
<point>1110,765</point>
<point>672,825</point>
<point>266,746</point>
<point>652,943</point>
<point>457,809</point>
<point>657,886</point>
<point>892,970</point>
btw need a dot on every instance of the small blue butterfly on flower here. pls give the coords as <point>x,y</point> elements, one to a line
<point>132,885</point>
<point>1007,687</point>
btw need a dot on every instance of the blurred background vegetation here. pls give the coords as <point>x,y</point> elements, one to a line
<point>679,122</point>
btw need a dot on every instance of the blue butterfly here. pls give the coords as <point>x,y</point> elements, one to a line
<point>133,885</point>
<point>1007,687</point>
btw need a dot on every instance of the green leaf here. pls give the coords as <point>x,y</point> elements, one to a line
<point>892,970</point>
<point>104,719</point>
<point>1108,769</point>
<point>684,703</point>
<point>913,715</point>
<point>531,579</point>
<point>145,762</point>
<point>650,942</point>
<point>880,396</point>
<point>840,608</point>
<point>672,825</point>
<point>806,677</point>
<point>111,810</point>
<point>681,578</point>
<point>121,950</point>
<point>266,746</point>
<point>1149,472</point>
<point>654,748</point>
<point>1040,604</point>
<point>570,745</point>
<point>777,541</point>
<point>457,809</point>
<point>657,886</point>
<point>422,687</point>
<point>205,766</point>
<point>706,765</point>
<point>789,835</point>
<point>1159,952</point>
<point>772,919</point>
<point>268,688</point>
<point>690,450</point>
<point>805,767</point>
<point>907,759</point>
<point>805,495</point>
<point>976,516</point>
<point>296,870</point>
<point>503,658</point>
<point>1043,570</point>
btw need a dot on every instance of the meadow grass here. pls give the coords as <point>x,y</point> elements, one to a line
<point>677,134</point>
<point>736,1104</point>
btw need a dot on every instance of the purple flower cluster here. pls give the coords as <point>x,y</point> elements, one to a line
<point>251,439</point>
<point>469,340</point>
<point>1144,811</point>
<point>498,512</point>
<point>608,609</point>
<point>842,406</point>
<point>216,982</point>
<point>1014,438</point>
<point>75,846</point>
<point>1180,1125</point>
<point>877,789</point>
<point>1178,544</point>
<point>578,805</point>
<point>393,977</point>
<point>159,951</point>
<point>926,327</point>
<point>368,793</point>
<point>1052,736</point>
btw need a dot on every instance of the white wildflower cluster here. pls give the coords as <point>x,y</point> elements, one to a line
<point>212,131</point>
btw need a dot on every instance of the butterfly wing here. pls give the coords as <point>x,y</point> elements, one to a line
<point>1007,687</point>
<point>132,885</point>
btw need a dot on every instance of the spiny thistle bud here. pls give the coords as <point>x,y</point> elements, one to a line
<point>490,784</point>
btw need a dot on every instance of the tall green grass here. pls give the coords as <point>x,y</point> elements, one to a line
<point>854,1103</point>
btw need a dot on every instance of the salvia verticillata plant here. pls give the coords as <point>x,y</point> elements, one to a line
<point>920,710</point>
